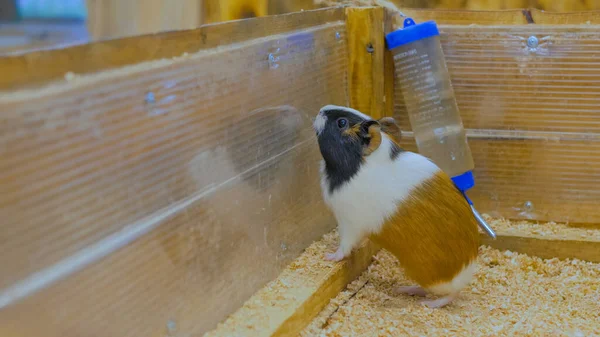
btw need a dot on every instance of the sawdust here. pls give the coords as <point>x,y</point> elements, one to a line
<point>271,305</point>
<point>511,295</point>
<point>548,230</point>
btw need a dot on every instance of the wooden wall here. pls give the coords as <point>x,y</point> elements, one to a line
<point>118,18</point>
<point>285,6</point>
<point>531,113</point>
<point>154,199</point>
<point>548,5</point>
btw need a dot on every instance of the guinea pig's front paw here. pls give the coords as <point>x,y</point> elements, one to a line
<point>337,256</point>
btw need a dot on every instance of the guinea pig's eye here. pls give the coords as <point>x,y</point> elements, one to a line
<point>342,123</point>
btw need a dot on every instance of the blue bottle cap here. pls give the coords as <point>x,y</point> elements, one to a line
<point>464,181</point>
<point>412,32</point>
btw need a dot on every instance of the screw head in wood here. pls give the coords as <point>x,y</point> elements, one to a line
<point>273,61</point>
<point>171,326</point>
<point>532,42</point>
<point>150,99</point>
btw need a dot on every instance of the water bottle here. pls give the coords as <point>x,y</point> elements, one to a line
<point>421,73</point>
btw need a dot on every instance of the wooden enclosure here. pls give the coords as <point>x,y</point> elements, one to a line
<point>118,18</point>
<point>146,194</point>
<point>151,184</point>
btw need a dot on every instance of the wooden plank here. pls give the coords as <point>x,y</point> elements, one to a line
<point>494,5</point>
<point>212,154</point>
<point>531,115</point>
<point>563,6</point>
<point>483,5</point>
<point>558,6</point>
<point>298,294</point>
<point>501,83</point>
<point>38,68</point>
<point>328,286</point>
<point>467,17</point>
<point>28,36</point>
<point>545,178</point>
<point>388,68</point>
<point>288,6</point>
<point>366,48</point>
<point>546,248</point>
<point>119,18</point>
<point>541,17</point>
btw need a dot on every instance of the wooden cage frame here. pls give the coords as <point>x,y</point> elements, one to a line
<point>34,85</point>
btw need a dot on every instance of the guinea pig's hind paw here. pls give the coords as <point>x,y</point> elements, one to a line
<point>438,303</point>
<point>411,290</point>
<point>335,257</point>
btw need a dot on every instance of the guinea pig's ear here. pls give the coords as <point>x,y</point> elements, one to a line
<point>390,127</point>
<point>370,135</point>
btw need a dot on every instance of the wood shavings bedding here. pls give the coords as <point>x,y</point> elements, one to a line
<point>548,230</point>
<point>511,295</point>
<point>266,307</point>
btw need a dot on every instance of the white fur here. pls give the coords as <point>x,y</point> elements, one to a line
<point>458,282</point>
<point>362,205</point>
<point>343,108</point>
<point>319,123</point>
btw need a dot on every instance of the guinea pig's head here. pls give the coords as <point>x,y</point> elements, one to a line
<point>346,136</point>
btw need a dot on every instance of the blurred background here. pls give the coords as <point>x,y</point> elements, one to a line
<point>33,24</point>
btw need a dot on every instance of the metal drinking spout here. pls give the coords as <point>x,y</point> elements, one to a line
<point>483,224</point>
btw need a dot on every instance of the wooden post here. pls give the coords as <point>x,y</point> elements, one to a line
<point>388,69</point>
<point>227,10</point>
<point>366,49</point>
<point>117,18</point>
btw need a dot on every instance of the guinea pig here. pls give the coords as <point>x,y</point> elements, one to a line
<point>399,199</point>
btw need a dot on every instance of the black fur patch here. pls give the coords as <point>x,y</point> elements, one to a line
<point>337,178</point>
<point>395,151</point>
<point>341,163</point>
<point>342,153</point>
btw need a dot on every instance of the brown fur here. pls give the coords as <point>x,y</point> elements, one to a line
<point>389,127</point>
<point>375,135</point>
<point>354,131</point>
<point>433,234</point>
